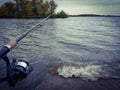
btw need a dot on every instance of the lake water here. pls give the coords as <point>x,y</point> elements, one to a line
<point>84,47</point>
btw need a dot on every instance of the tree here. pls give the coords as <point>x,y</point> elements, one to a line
<point>20,4</point>
<point>7,10</point>
<point>34,7</point>
<point>3,12</point>
<point>46,10</point>
<point>30,8</point>
<point>61,14</point>
<point>53,6</point>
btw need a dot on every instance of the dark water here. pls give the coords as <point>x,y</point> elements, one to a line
<point>85,47</point>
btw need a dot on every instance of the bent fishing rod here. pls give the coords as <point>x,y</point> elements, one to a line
<point>31,29</point>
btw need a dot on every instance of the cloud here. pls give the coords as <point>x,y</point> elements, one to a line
<point>88,2</point>
<point>105,3</point>
<point>89,6</point>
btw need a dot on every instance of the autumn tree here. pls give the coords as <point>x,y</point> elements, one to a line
<point>46,9</point>
<point>29,8</point>
<point>7,10</point>
<point>20,4</point>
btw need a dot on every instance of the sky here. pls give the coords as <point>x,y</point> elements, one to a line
<point>74,7</point>
<point>102,7</point>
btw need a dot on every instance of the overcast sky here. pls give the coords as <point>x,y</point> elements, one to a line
<point>111,7</point>
<point>89,6</point>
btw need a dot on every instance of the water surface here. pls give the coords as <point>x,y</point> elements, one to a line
<point>89,47</point>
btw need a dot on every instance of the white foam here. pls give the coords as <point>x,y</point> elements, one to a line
<point>89,72</point>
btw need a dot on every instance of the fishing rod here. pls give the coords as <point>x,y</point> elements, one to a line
<point>31,29</point>
<point>17,71</point>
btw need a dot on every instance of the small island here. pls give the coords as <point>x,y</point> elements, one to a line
<point>30,9</point>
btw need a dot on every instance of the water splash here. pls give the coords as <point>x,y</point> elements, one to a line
<point>89,72</point>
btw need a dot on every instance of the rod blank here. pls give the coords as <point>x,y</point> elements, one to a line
<point>31,29</point>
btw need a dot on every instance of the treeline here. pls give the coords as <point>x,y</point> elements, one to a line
<point>29,9</point>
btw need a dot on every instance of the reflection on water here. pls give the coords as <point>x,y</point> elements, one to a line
<point>80,40</point>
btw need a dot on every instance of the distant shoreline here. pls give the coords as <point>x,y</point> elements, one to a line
<point>93,15</point>
<point>80,15</point>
